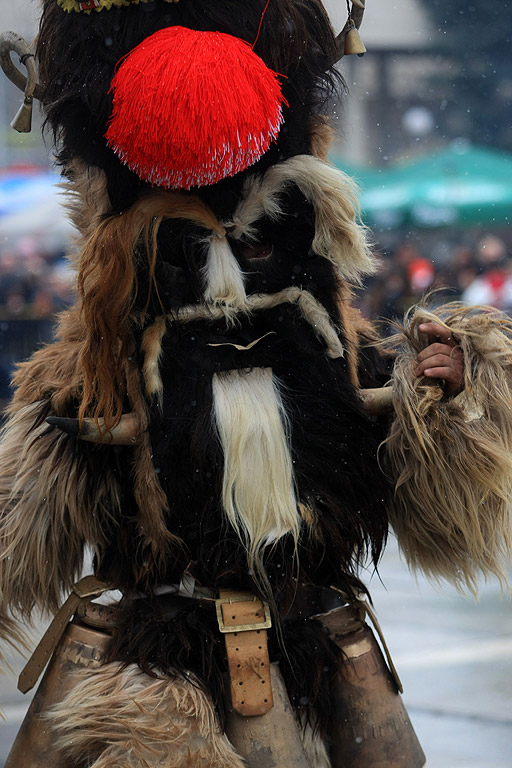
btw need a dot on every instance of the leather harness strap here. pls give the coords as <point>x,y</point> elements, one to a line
<point>244,620</point>
<point>83,591</point>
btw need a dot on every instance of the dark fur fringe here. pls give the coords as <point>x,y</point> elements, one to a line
<point>176,637</point>
<point>54,373</point>
<point>58,494</point>
<point>451,458</point>
<point>309,668</point>
<point>122,717</point>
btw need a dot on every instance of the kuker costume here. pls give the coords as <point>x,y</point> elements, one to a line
<point>208,422</point>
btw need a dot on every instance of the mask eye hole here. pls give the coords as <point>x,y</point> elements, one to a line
<point>250,251</point>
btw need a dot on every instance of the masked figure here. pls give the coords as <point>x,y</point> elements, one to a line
<point>199,422</point>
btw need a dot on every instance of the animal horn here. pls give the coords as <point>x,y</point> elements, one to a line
<point>125,432</point>
<point>9,42</point>
<point>376,401</point>
<point>354,21</point>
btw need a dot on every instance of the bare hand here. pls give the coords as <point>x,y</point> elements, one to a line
<point>442,359</point>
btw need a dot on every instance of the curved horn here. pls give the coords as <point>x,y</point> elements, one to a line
<point>354,20</point>
<point>125,432</point>
<point>379,400</point>
<point>9,42</point>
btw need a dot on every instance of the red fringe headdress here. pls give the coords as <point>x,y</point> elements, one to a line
<point>191,108</point>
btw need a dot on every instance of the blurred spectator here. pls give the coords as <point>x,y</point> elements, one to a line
<point>34,286</point>
<point>493,284</point>
<point>479,273</point>
<point>421,274</point>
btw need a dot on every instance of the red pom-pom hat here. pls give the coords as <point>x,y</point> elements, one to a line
<point>190,108</point>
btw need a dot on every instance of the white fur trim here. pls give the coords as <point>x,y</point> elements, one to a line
<point>258,488</point>
<point>311,309</point>
<point>339,237</point>
<point>224,280</point>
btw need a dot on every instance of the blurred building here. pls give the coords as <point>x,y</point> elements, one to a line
<point>389,103</point>
<point>434,72</point>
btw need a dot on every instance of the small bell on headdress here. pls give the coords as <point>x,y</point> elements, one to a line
<point>22,121</point>
<point>353,42</point>
<point>11,42</point>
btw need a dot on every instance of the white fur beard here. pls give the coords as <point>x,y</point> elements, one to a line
<point>258,487</point>
<point>223,278</point>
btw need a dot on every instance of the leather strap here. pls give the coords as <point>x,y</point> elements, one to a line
<point>83,590</point>
<point>247,651</point>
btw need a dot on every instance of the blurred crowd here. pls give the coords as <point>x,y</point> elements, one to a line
<point>478,273</point>
<point>33,283</point>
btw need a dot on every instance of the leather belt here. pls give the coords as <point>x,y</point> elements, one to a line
<point>244,620</point>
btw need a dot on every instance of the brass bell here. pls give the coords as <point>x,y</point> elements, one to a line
<point>80,647</point>
<point>270,739</point>
<point>353,42</point>
<point>372,727</point>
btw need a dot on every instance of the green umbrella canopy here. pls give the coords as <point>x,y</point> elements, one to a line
<point>461,185</point>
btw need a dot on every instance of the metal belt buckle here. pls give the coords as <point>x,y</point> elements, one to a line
<point>89,586</point>
<point>265,624</point>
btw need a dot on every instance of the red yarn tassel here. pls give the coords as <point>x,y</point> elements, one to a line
<point>191,108</point>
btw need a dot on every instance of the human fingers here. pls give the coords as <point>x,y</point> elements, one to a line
<point>447,365</point>
<point>437,333</point>
<point>447,374</point>
<point>433,361</point>
<point>434,349</point>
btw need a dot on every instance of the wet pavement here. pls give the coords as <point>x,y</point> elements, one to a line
<point>454,657</point>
